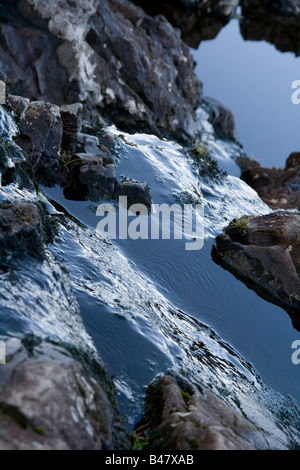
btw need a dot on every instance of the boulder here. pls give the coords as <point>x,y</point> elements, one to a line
<point>263,252</point>
<point>180,416</point>
<point>41,131</point>
<point>24,228</point>
<point>58,152</point>
<point>48,401</point>
<point>18,106</point>
<point>136,193</point>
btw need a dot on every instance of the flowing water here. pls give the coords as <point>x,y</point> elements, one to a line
<point>149,306</point>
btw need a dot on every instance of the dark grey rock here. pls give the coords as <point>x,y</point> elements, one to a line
<point>24,228</point>
<point>99,180</point>
<point>136,193</point>
<point>41,131</point>
<point>87,177</point>
<point>222,119</point>
<point>72,122</point>
<point>245,163</point>
<point>124,66</point>
<point>18,105</point>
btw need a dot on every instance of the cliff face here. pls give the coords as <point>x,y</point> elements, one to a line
<point>130,69</point>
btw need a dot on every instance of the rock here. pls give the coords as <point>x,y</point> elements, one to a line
<point>263,252</point>
<point>245,163</point>
<point>41,131</point>
<point>198,20</point>
<point>29,60</point>
<point>24,228</point>
<point>102,54</point>
<point>72,122</point>
<point>136,193</point>
<point>293,161</point>
<point>276,22</point>
<point>18,105</point>
<point>277,187</point>
<point>222,119</point>
<point>168,102</point>
<point>89,176</point>
<point>48,401</point>
<point>99,180</point>
<point>59,153</point>
<point>181,417</point>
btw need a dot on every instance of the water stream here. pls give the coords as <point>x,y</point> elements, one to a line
<point>149,306</point>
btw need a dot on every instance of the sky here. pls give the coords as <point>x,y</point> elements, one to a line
<point>254,81</point>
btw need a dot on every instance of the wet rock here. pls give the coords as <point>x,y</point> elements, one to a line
<point>180,416</point>
<point>41,131</point>
<point>264,253</point>
<point>29,60</point>
<point>136,193</point>
<point>277,187</point>
<point>91,178</point>
<point>18,105</point>
<point>24,228</point>
<point>102,54</point>
<point>49,401</point>
<point>276,22</point>
<point>71,116</point>
<point>133,50</point>
<point>222,119</point>
<point>59,153</point>
<point>90,174</point>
